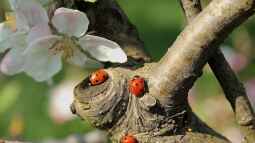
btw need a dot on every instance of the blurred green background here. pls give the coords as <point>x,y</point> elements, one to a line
<point>27,111</point>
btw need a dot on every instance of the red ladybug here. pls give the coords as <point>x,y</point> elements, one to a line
<point>98,77</point>
<point>129,139</point>
<point>137,86</point>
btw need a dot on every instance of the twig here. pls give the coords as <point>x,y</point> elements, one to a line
<point>232,87</point>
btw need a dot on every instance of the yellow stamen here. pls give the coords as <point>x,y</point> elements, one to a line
<point>65,46</point>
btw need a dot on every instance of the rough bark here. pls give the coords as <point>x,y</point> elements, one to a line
<point>183,62</point>
<point>162,114</point>
<point>232,87</point>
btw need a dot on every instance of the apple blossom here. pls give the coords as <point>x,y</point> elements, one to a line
<point>38,45</point>
<point>28,14</point>
<point>69,41</point>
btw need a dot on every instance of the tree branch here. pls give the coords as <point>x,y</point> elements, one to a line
<point>181,66</point>
<point>232,87</point>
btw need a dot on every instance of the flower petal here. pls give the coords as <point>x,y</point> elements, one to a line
<point>40,64</point>
<point>17,40</point>
<point>38,31</point>
<point>103,49</point>
<point>28,13</point>
<point>70,22</point>
<point>5,32</point>
<point>21,22</point>
<point>80,59</point>
<point>13,61</point>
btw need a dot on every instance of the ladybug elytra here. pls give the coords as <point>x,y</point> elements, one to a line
<point>137,86</point>
<point>98,77</point>
<point>129,139</point>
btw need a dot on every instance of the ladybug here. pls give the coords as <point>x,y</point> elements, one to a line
<point>137,86</point>
<point>98,77</point>
<point>129,139</point>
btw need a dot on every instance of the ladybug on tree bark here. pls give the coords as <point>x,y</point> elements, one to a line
<point>129,139</point>
<point>98,77</point>
<point>137,86</point>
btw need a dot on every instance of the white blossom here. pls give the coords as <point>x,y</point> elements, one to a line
<point>47,48</point>
<point>38,45</point>
<point>28,14</point>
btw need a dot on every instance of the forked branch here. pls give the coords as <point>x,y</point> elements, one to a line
<point>181,66</point>
<point>232,87</point>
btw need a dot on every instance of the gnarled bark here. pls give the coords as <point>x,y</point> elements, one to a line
<point>162,114</point>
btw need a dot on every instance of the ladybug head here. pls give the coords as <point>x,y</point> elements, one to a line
<point>101,103</point>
